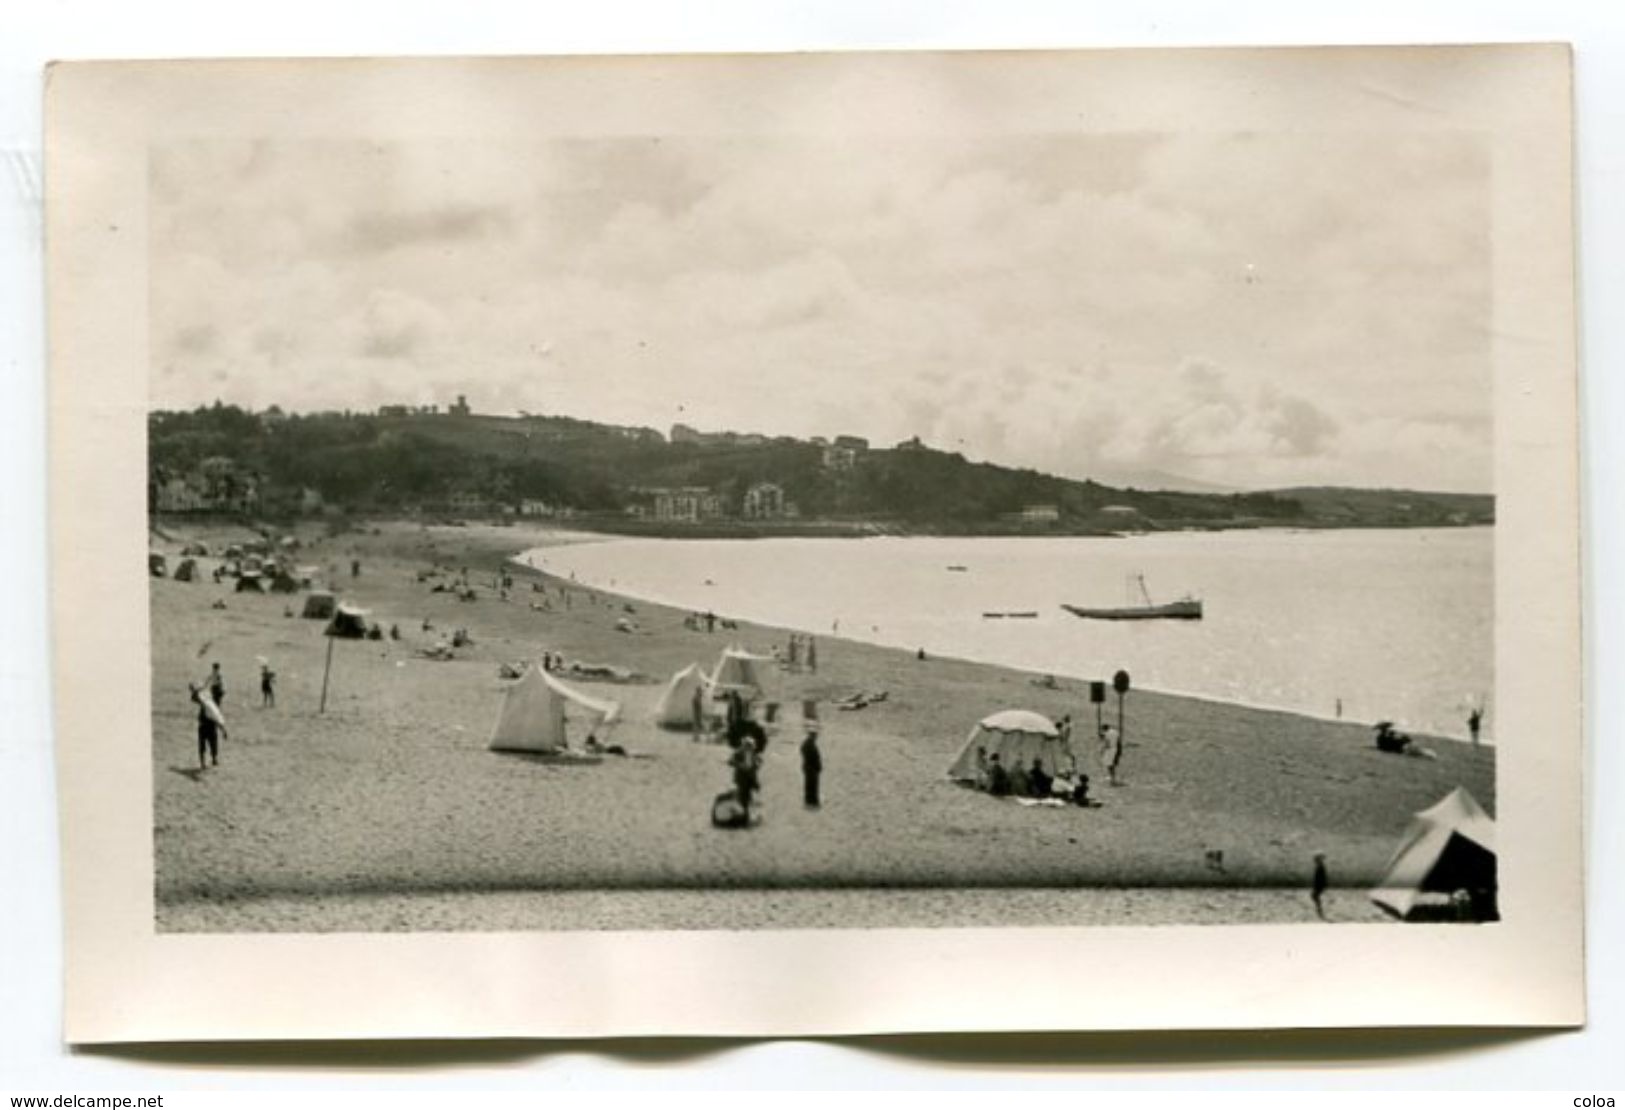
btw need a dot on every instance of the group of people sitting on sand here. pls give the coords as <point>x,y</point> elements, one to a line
<point>1032,781</point>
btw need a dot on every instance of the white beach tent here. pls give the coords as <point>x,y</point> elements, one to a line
<point>542,714</point>
<point>675,709</point>
<point>1017,737</point>
<point>738,669</point>
<point>1449,846</point>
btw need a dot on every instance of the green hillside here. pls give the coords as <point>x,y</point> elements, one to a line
<point>430,464</point>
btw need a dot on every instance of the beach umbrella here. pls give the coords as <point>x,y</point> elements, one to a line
<point>1017,737</point>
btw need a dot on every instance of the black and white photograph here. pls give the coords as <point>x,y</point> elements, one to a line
<point>784,517</point>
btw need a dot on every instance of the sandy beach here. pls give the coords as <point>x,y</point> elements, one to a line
<point>388,812</point>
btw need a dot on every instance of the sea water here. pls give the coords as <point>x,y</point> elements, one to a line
<point>1362,624</point>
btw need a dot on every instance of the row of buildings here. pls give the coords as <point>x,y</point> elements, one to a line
<point>693,504</point>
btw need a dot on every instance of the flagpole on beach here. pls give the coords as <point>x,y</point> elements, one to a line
<point>327,670</point>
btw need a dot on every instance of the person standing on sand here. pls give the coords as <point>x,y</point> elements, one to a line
<point>1111,751</point>
<point>211,727</point>
<point>217,685</point>
<point>1475,721</point>
<point>267,687</point>
<point>812,766</point>
<point>744,763</point>
<point>697,709</point>
<point>812,655</point>
<point>1318,885</point>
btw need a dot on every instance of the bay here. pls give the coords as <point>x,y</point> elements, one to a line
<point>1366,625</point>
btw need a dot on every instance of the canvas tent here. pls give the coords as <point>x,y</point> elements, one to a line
<point>348,622</point>
<point>157,565</point>
<point>319,606</point>
<point>1448,847</point>
<point>738,669</point>
<point>1017,737</point>
<point>284,583</point>
<point>186,570</point>
<point>250,582</point>
<point>541,714</point>
<point>675,709</point>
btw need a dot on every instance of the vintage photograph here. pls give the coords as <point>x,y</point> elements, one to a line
<point>660,531</point>
<point>769,545</point>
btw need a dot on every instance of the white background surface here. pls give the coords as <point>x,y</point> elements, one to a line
<point>31,1056</point>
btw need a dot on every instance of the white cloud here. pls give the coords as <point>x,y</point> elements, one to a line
<point>1257,309</point>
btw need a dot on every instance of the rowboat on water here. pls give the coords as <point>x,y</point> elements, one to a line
<point>1186,608</point>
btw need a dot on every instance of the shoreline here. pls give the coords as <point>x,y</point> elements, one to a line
<point>516,561</point>
<point>389,812</point>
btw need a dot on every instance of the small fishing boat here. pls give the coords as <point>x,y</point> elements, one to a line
<point>1186,608</point>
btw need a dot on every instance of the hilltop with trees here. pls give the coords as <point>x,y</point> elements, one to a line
<point>438,464</point>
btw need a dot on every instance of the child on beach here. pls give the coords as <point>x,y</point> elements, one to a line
<point>217,685</point>
<point>267,687</point>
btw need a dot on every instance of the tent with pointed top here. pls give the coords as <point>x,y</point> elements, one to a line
<point>1017,737</point>
<point>541,714</point>
<point>319,606</point>
<point>738,669</point>
<point>1448,847</point>
<point>675,709</point>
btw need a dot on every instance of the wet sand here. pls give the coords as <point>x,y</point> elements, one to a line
<point>387,812</point>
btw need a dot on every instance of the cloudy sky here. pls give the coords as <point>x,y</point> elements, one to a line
<point>1252,310</point>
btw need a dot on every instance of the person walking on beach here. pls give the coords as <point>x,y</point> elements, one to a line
<point>812,766</point>
<point>211,727</point>
<point>1475,721</point>
<point>267,687</point>
<point>1318,885</point>
<point>217,685</point>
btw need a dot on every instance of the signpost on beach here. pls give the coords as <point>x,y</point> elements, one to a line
<point>1120,683</point>
<point>327,669</point>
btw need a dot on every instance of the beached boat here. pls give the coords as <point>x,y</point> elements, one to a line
<point>1186,608</point>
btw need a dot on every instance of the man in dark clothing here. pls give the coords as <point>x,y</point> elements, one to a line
<point>1039,780</point>
<point>1475,721</point>
<point>1318,885</point>
<point>217,685</point>
<point>812,766</point>
<point>744,761</point>
<point>210,728</point>
<point>267,686</point>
